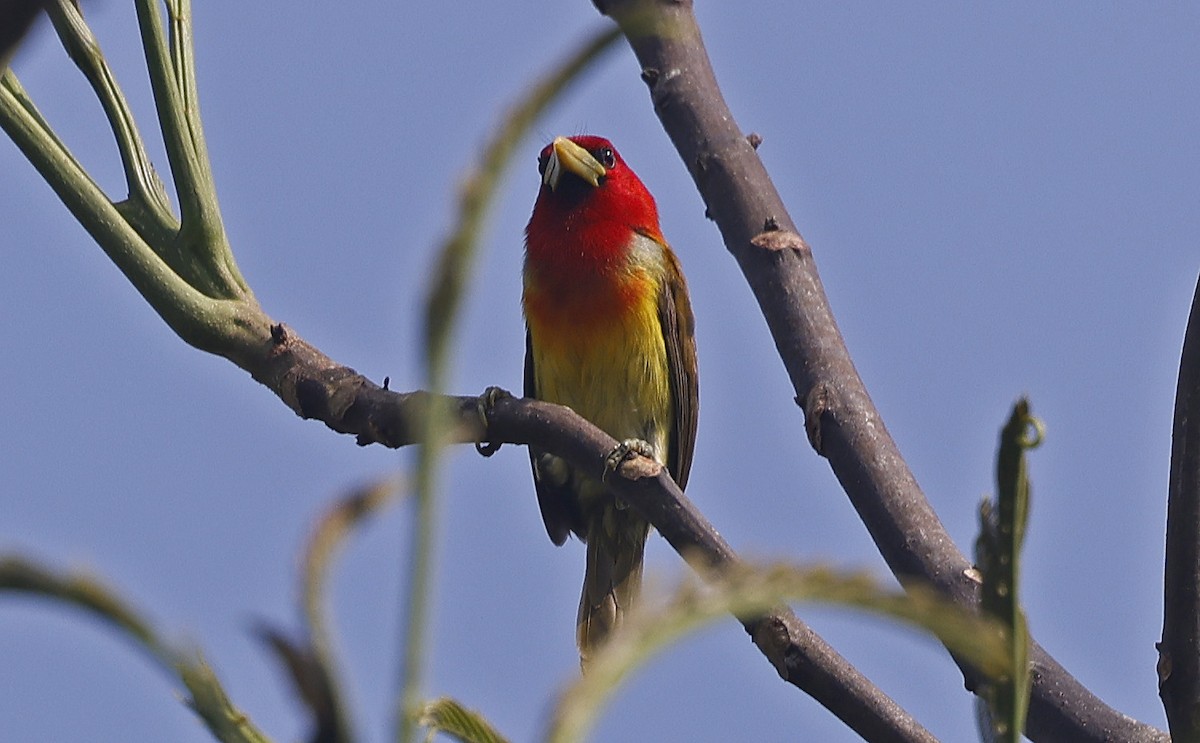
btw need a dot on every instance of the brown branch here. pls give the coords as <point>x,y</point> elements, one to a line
<point>799,655</point>
<point>1179,651</point>
<point>842,422</point>
<point>317,387</point>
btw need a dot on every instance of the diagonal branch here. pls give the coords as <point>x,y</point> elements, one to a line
<point>798,654</point>
<point>315,386</point>
<point>842,422</point>
<point>1179,651</point>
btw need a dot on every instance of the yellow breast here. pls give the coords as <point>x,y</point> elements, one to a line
<point>600,351</point>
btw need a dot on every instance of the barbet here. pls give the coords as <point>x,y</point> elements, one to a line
<point>610,335</point>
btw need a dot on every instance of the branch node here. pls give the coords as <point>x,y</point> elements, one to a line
<point>777,239</point>
<point>650,77</point>
<point>279,334</point>
<point>755,139</point>
<point>771,637</point>
<point>1163,667</point>
<point>815,405</point>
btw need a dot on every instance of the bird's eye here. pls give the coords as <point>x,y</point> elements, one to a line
<point>605,156</point>
<point>542,160</point>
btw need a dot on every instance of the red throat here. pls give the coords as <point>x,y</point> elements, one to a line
<point>576,236</point>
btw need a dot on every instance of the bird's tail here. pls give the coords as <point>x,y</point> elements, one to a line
<point>616,540</point>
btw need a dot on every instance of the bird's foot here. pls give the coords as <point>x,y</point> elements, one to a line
<point>622,452</point>
<point>483,407</point>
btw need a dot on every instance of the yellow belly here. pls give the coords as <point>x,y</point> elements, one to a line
<point>610,366</point>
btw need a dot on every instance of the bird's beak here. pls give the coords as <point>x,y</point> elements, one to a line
<point>568,157</point>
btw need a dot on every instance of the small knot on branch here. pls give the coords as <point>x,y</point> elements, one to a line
<point>816,404</point>
<point>772,638</point>
<point>775,238</point>
<point>279,334</point>
<point>1163,666</point>
<point>755,139</point>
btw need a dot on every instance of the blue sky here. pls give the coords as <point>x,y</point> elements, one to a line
<point>1001,200</point>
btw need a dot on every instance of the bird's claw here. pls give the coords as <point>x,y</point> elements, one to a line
<point>483,406</point>
<point>622,451</point>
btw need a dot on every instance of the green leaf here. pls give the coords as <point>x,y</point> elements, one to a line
<point>208,698</point>
<point>447,716</point>
<point>754,590</point>
<point>998,553</point>
<point>225,721</point>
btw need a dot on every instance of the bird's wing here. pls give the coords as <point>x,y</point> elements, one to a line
<point>678,328</point>
<point>555,500</point>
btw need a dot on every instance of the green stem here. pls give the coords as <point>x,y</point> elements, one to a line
<point>208,699</point>
<point>171,65</point>
<point>184,270</point>
<point>442,309</point>
<point>420,600</point>
<point>146,192</point>
<point>1002,532</point>
<point>327,538</point>
<point>162,287</point>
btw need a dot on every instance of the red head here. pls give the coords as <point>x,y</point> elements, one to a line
<point>588,209</point>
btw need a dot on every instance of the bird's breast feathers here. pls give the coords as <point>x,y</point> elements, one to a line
<point>598,347</point>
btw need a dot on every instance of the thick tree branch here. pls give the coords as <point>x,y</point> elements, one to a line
<point>315,386</point>
<point>842,422</point>
<point>1179,651</point>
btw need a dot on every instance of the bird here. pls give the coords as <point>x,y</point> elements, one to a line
<point>610,333</point>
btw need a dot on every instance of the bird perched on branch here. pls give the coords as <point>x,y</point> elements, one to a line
<point>610,335</point>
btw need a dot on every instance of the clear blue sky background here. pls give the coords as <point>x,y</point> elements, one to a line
<point>1001,200</point>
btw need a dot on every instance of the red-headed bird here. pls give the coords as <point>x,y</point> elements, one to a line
<point>610,335</point>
